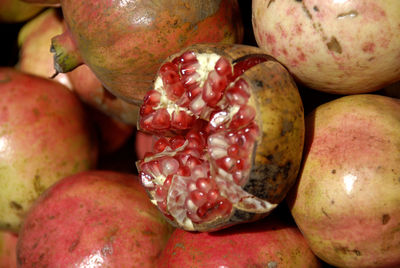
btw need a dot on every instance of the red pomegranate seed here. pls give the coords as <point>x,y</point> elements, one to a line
<point>188,56</point>
<point>170,77</point>
<point>169,166</point>
<point>223,207</point>
<point>226,163</point>
<point>198,197</point>
<point>146,109</point>
<point>213,88</point>
<point>184,171</point>
<point>160,145</point>
<point>181,120</point>
<point>193,91</point>
<point>238,95</point>
<point>152,97</point>
<point>243,117</point>
<point>204,184</point>
<point>189,68</point>
<point>197,105</point>
<point>217,120</point>
<point>161,120</point>
<point>233,150</point>
<point>176,142</point>
<point>168,67</point>
<point>192,162</point>
<point>223,67</point>
<point>212,196</point>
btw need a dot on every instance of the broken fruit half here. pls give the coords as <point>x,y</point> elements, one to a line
<point>228,126</point>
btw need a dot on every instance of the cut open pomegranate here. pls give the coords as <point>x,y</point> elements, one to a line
<point>230,128</point>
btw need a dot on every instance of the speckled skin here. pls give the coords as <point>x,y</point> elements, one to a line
<point>347,201</point>
<point>268,243</point>
<point>44,136</point>
<point>35,57</point>
<point>93,219</point>
<point>15,11</point>
<point>280,117</point>
<point>124,41</point>
<point>343,47</point>
<point>8,243</point>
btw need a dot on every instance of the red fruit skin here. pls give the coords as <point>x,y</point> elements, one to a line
<point>271,242</point>
<point>44,136</point>
<point>91,91</point>
<point>100,218</point>
<point>123,42</point>
<point>8,243</point>
<point>347,198</point>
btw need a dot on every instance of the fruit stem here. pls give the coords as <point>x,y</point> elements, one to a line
<point>66,55</point>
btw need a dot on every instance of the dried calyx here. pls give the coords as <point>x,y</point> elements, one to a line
<point>205,111</point>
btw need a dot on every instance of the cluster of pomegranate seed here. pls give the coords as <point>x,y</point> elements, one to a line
<point>201,106</point>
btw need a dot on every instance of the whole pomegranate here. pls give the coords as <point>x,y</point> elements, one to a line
<point>16,11</point>
<point>347,200</point>
<point>8,243</point>
<point>47,3</point>
<point>230,129</point>
<point>44,136</point>
<point>344,47</point>
<point>270,242</point>
<point>124,41</point>
<point>34,40</point>
<point>93,219</point>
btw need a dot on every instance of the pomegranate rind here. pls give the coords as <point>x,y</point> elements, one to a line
<point>140,34</point>
<point>277,152</point>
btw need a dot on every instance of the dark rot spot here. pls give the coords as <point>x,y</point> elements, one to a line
<point>316,9</point>
<point>368,47</point>
<point>15,205</point>
<point>334,45</point>
<point>333,171</point>
<point>385,218</point>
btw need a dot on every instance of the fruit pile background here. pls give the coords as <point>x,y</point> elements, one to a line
<point>121,157</point>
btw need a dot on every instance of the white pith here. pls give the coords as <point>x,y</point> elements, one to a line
<point>217,149</point>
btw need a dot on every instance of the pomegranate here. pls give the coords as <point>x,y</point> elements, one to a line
<point>15,11</point>
<point>92,92</point>
<point>34,40</point>
<point>347,200</point>
<point>352,45</point>
<point>44,136</point>
<point>230,129</point>
<point>123,42</point>
<point>93,219</point>
<point>270,242</point>
<point>8,243</point>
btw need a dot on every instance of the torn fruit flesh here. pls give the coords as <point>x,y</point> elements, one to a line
<point>195,175</point>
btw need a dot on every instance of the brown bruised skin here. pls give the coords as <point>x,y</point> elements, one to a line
<point>276,154</point>
<point>124,42</point>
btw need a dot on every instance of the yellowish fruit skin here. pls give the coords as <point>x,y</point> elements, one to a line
<point>343,47</point>
<point>15,11</point>
<point>347,199</point>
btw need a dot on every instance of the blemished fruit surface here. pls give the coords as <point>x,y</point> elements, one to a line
<point>93,219</point>
<point>343,47</point>
<point>44,136</point>
<point>230,129</point>
<point>347,199</point>
<point>123,42</point>
<point>271,242</point>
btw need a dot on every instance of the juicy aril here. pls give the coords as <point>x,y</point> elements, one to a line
<point>272,242</point>
<point>230,128</point>
<point>93,219</point>
<point>344,47</point>
<point>347,201</point>
<point>44,136</point>
<point>124,41</point>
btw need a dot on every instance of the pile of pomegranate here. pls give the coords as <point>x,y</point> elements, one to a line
<point>200,133</point>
